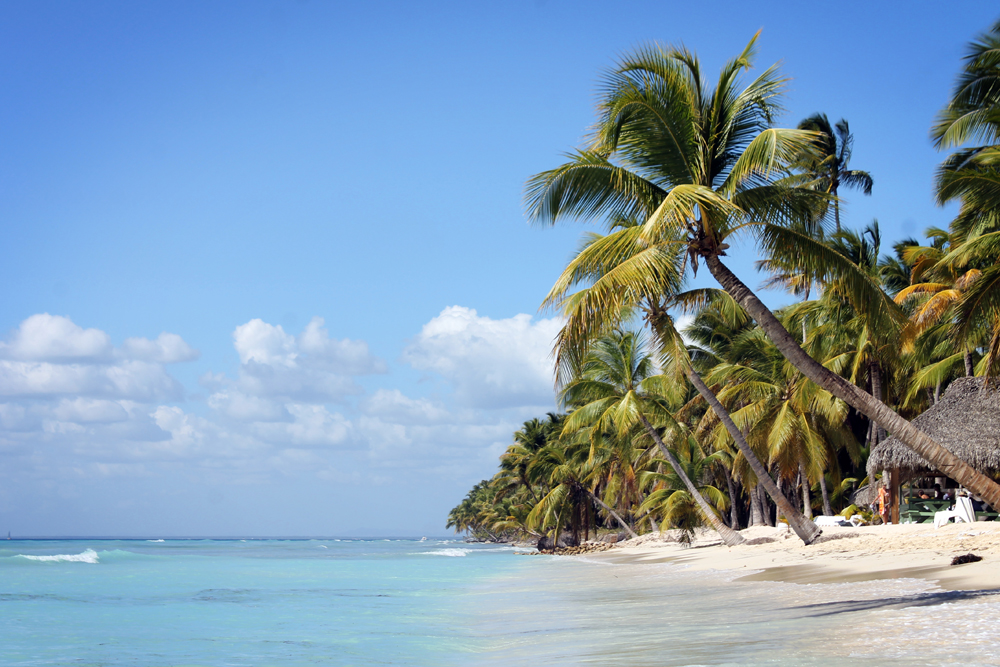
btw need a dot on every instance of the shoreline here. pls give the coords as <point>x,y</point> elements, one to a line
<point>840,555</point>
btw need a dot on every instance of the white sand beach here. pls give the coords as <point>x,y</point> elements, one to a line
<point>840,555</point>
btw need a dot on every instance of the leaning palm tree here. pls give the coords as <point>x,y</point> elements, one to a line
<point>625,278</point>
<point>670,496</point>
<point>781,413</point>
<point>828,169</point>
<point>700,166</point>
<point>617,388</point>
<point>569,472</point>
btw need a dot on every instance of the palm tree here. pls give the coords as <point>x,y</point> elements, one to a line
<point>515,461</point>
<point>936,286</point>
<point>625,277</point>
<point>616,388</point>
<point>971,175</point>
<point>783,414</point>
<point>699,166</point>
<point>828,169</point>
<point>670,494</point>
<point>569,472</point>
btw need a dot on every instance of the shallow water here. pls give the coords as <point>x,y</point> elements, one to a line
<point>442,602</point>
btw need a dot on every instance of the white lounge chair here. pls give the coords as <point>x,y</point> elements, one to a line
<point>835,520</point>
<point>962,511</point>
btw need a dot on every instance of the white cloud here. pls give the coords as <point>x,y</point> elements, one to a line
<point>49,355</point>
<point>263,343</point>
<point>239,406</point>
<point>71,400</point>
<point>311,426</point>
<point>491,363</point>
<point>350,357</point>
<point>173,420</point>
<point>168,348</point>
<point>311,368</point>
<point>89,410</point>
<point>393,405</point>
<point>136,380</point>
<point>45,337</point>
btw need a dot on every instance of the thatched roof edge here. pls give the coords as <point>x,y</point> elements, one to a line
<point>966,420</point>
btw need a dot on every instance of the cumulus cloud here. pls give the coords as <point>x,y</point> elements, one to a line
<point>310,368</point>
<point>135,380</point>
<point>89,410</point>
<point>285,382</point>
<point>168,348</point>
<point>241,407</point>
<point>45,337</point>
<point>53,338</point>
<point>491,363</point>
<point>70,392</point>
<point>393,405</point>
<point>263,343</point>
<point>51,356</point>
<point>311,426</point>
<point>70,398</point>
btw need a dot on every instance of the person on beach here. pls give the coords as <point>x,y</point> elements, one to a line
<point>883,503</point>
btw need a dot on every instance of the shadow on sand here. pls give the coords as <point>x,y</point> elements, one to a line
<point>916,600</point>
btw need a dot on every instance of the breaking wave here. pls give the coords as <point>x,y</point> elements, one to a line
<point>454,553</point>
<point>88,556</point>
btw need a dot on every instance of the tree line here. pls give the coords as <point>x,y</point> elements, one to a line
<point>749,413</point>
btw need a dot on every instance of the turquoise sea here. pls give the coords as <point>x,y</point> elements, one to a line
<point>443,602</point>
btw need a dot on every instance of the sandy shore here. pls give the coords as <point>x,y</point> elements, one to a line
<point>840,554</point>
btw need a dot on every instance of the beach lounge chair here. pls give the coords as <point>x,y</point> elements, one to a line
<point>962,511</point>
<point>835,520</point>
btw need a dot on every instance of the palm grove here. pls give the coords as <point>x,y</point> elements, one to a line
<point>748,414</point>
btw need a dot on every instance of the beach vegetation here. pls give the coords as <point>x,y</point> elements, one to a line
<point>724,421</point>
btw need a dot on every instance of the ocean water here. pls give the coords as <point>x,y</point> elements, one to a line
<point>443,602</point>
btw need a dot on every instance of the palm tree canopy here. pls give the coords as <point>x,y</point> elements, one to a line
<point>973,114</point>
<point>695,164</point>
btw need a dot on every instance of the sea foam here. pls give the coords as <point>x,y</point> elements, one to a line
<point>454,553</point>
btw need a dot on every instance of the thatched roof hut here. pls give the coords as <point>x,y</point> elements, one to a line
<point>966,421</point>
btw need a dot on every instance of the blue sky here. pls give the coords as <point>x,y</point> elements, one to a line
<point>266,269</point>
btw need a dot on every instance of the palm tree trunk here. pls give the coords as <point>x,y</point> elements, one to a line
<point>827,509</point>
<point>612,513</point>
<point>803,527</point>
<point>525,482</point>
<point>575,520</point>
<point>734,516</point>
<point>806,499</point>
<point>876,372</point>
<point>649,515</point>
<point>942,459</point>
<point>969,369</point>
<point>729,536</point>
<point>758,513</point>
